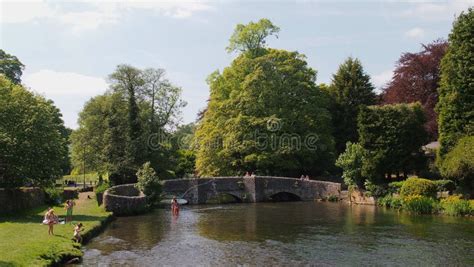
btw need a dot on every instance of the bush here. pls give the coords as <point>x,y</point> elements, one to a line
<point>394,187</point>
<point>418,186</point>
<point>374,190</point>
<point>455,206</point>
<point>53,195</point>
<point>444,185</point>
<point>390,201</point>
<point>148,182</point>
<point>333,198</point>
<point>351,164</point>
<point>458,164</point>
<point>419,204</point>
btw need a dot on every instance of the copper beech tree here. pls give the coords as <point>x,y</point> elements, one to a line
<point>416,79</point>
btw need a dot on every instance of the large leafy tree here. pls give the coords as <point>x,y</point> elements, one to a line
<point>265,114</point>
<point>33,147</point>
<point>456,91</point>
<point>128,125</point>
<point>11,67</point>
<point>350,90</point>
<point>416,79</point>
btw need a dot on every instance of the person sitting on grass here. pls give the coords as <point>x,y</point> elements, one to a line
<point>77,233</point>
<point>50,219</point>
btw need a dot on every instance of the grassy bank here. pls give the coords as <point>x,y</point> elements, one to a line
<point>25,241</point>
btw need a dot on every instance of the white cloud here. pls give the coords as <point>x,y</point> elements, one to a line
<point>438,10</point>
<point>53,83</point>
<point>381,79</point>
<point>98,13</point>
<point>415,33</point>
<point>69,91</point>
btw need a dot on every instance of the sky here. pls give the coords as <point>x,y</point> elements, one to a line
<point>70,47</point>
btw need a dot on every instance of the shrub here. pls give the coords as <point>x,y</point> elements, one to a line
<point>455,206</point>
<point>333,198</point>
<point>418,186</point>
<point>374,189</point>
<point>351,164</point>
<point>52,195</point>
<point>394,187</point>
<point>444,185</point>
<point>148,182</point>
<point>419,204</point>
<point>458,164</point>
<point>390,201</point>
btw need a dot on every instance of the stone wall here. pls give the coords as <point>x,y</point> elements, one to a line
<point>124,200</point>
<point>361,198</point>
<point>18,199</point>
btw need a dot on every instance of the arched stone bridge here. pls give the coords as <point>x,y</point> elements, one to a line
<point>250,189</point>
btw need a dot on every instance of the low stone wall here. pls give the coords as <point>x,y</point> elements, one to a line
<point>124,200</point>
<point>360,197</point>
<point>17,199</point>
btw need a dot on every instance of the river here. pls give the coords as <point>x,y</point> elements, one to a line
<point>284,234</point>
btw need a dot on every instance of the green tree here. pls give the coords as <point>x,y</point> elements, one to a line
<point>458,164</point>
<point>265,114</point>
<point>350,90</point>
<point>32,146</point>
<point>392,136</point>
<point>251,37</point>
<point>148,182</point>
<point>456,92</point>
<point>11,67</point>
<point>351,162</point>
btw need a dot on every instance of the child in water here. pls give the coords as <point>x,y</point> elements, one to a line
<point>77,232</point>
<point>174,206</point>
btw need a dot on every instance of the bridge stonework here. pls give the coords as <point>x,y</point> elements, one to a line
<point>249,189</point>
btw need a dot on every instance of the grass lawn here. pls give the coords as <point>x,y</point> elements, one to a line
<point>24,241</point>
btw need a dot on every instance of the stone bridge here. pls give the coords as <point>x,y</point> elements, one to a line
<point>250,189</point>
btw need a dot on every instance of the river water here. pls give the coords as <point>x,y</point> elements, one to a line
<point>284,234</point>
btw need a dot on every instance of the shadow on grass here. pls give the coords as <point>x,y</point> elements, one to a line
<point>36,215</point>
<point>6,264</point>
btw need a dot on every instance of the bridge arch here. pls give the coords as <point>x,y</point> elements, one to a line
<point>284,196</point>
<point>224,197</point>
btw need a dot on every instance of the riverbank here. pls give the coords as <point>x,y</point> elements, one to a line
<point>25,241</point>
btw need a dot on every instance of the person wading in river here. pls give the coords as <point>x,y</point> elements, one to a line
<point>174,206</point>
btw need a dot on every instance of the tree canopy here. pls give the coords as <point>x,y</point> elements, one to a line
<point>33,144</point>
<point>456,91</point>
<point>265,114</point>
<point>251,37</point>
<point>11,67</point>
<point>416,79</point>
<point>350,90</point>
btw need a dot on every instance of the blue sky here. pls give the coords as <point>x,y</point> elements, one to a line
<point>69,48</point>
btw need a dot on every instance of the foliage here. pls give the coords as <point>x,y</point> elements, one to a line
<point>11,67</point>
<point>265,115</point>
<point>418,186</point>
<point>419,204</point>
<point>53,195</point>
<point>458,164</point>
<point>455,206</point>
<point>148,182</point>
<point>393,136</point>
<point>185,163</point>
<point>128,125</point>
<point>33,146</point>
<point>416,79</point>
<point>390,201</point>
<point>102,188</point>
<point>251,37</point>
<point>350,89</point>
<point>444,185</point>
<point>456,103</point>
<point>351,164</point>
<point>333,198</point>
<point>373,189</point>
<point>394,187</point>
